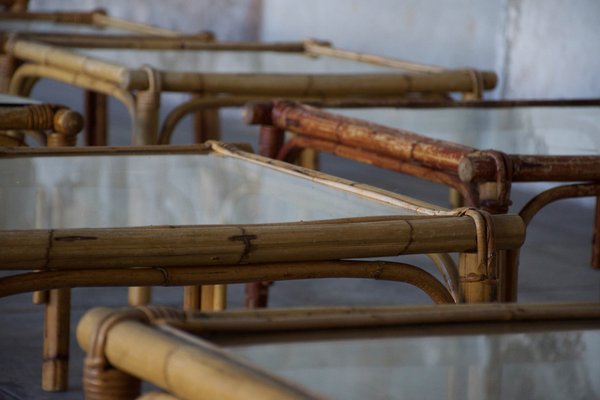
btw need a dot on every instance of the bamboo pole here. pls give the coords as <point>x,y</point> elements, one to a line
<point>224,274</point>
<point>68,60</point>
<point>202,41</point>
<point>306,84</point>
<point>324,318</point>
<point>70,17</point>
<point>96,110</point>
<point>227,244</point>
<point>175,363</point>
<point>352,132</point>
<point>532,168</point>
<point>27,71</point>
<point>289,153</point>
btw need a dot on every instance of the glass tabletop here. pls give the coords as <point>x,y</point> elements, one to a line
<point>542,130</point>
<point>232,61</point>
<point>555,364</point>
<point>161,189</point>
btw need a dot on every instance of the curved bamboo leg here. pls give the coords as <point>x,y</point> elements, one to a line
<point>530,210</point>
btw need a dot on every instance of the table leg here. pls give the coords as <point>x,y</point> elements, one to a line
<point>596,238</point>
<point>139,296</point>
<point>206,124</point>
<point>55,376</point>
<point>96,111</point>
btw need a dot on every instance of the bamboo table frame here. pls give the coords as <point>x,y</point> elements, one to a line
<point>97,20</point>
<point>140,88</point>
<point>52,125</point>
<point>219,254</point>
<point>482,177</point>
<point>171,348</point>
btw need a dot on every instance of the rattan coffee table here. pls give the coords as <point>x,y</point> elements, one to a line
<point>447,142</point>
<point>461,351</point>
<point>211,214</point>
<point>138,70</point>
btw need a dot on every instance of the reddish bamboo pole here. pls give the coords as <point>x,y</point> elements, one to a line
<point>403,145</point>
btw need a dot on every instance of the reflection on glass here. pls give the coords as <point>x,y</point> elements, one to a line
<point>556,365</point>
<point>105,191</point>
<point>517,130</point>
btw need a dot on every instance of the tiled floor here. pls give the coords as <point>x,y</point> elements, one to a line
<point>554,267</point>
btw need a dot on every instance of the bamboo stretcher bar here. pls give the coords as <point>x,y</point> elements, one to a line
<point>532,168</point>
<point>70,17</point>
<point>199,41</point>
<point>301,319</point>
<point>174,363</point>
<point>226,274</point>
<point>98,18</point>
<point>227,244</point>
<point>389,84</point>
<point>351,132</point>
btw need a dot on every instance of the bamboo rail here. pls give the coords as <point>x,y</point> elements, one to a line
<point>177,362</point>
<point>403,145</point>
<point>305,319</point>
<point>97,18</point>
<point>225,274</point>
<point>233,244</point>
<point>201,41</point>
<point>123,346</point>
<point>391,84</point>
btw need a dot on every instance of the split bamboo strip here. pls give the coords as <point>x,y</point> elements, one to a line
<point>104,20</point>
<point>230,244</point>
<point>404,145</point>
<point>317,48</point>
<point>302,319</point>
<point>175,363</point>
<point>167,276</point>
